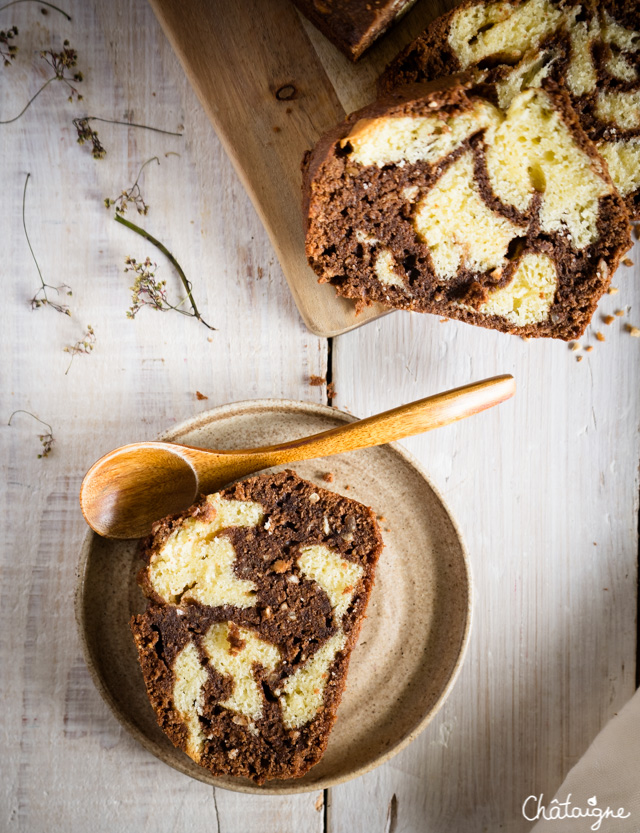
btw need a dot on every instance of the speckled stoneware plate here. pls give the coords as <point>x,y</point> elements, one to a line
<point>412,642</point>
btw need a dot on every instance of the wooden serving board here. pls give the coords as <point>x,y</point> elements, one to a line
<point>238,55</point>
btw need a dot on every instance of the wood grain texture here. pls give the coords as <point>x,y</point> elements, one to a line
<point>66,765</point>
<point>545,489</point>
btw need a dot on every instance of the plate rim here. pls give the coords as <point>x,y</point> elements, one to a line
<point>288,787</point>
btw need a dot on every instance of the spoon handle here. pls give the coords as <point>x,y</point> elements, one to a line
<point>405,421</point>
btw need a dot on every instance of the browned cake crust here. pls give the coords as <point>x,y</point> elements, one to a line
<point>353,25</point>
<point>432,56</point>
<point>340,197</point>
<point>291,612</point>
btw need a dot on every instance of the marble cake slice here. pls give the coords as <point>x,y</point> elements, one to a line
<point>593,48</point>
<point>257,594</point>
<point>353,25</point>
<point>435,200</point>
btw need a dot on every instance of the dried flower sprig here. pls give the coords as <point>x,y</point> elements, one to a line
<point>84,346</point>
<point>41,298</point>
<point>86,134</point>
<point>133,196</point>
<point>60,63</point>
<point>8,50</point>
<point>148,291</point>
<point>47,439</point>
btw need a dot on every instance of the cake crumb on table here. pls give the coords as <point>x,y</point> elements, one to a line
<point>575,345</point>
<point>613,290</point>
<point>634,332</point>
<point>316,381</point>
<point>619,312</point>
<point>579,358</point>
<point>331,391</point>
<point>599,336</point>
<point>589,348</point>
<point>328,477</point>
<point>627,262</point>
<point>608,319</point>
<point>200,396</point>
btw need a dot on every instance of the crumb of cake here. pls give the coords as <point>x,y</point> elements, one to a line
<point>613,290</point>
<point>579,358</point>
<point>331,391</point>
<point>608,319</point>
<point>209,339</point>
<point>589,348</point>
<point>627,262</point>
<point>574,346</point>
<point>319,802</point>
<point>382,519</point>
<point>316,381</point>
<point>600,336</point>
<point>634,332</point>
<point>619,313</point>
<point>200,396</point>
<point>443,320</point>
<point>328,477</point>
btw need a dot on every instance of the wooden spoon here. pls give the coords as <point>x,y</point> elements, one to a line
<point>133,486</point>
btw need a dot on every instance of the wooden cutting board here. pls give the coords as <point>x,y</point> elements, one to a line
<point>272,84</point>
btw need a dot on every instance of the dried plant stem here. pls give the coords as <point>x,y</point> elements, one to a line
<point>40,3</point>
<point>129,124</point>
<point>47,440</point>
<point>196,314</point>
<point>59,62</point>
<point>35,301</point>
<point>30,102</point>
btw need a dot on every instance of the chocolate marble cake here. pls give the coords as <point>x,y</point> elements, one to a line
<point>353,25</point>
<point>436,200</point>
<point>257,594</point>
<point>593,48</point>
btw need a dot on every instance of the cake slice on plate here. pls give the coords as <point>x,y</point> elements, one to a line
<point>257,595</point>
<point>593,48</point>
<point>436,200</point>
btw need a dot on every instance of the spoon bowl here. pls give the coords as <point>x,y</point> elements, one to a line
<point>117,505</point>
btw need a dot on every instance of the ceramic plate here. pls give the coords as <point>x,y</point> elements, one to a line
<point>412,641</point>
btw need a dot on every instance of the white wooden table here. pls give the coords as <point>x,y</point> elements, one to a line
<point>545,488</point>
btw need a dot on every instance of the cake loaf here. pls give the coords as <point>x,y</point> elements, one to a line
<point>436,200</point>
<point>257,594</point>
<point>353,25</point>
<point>593,48</point>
